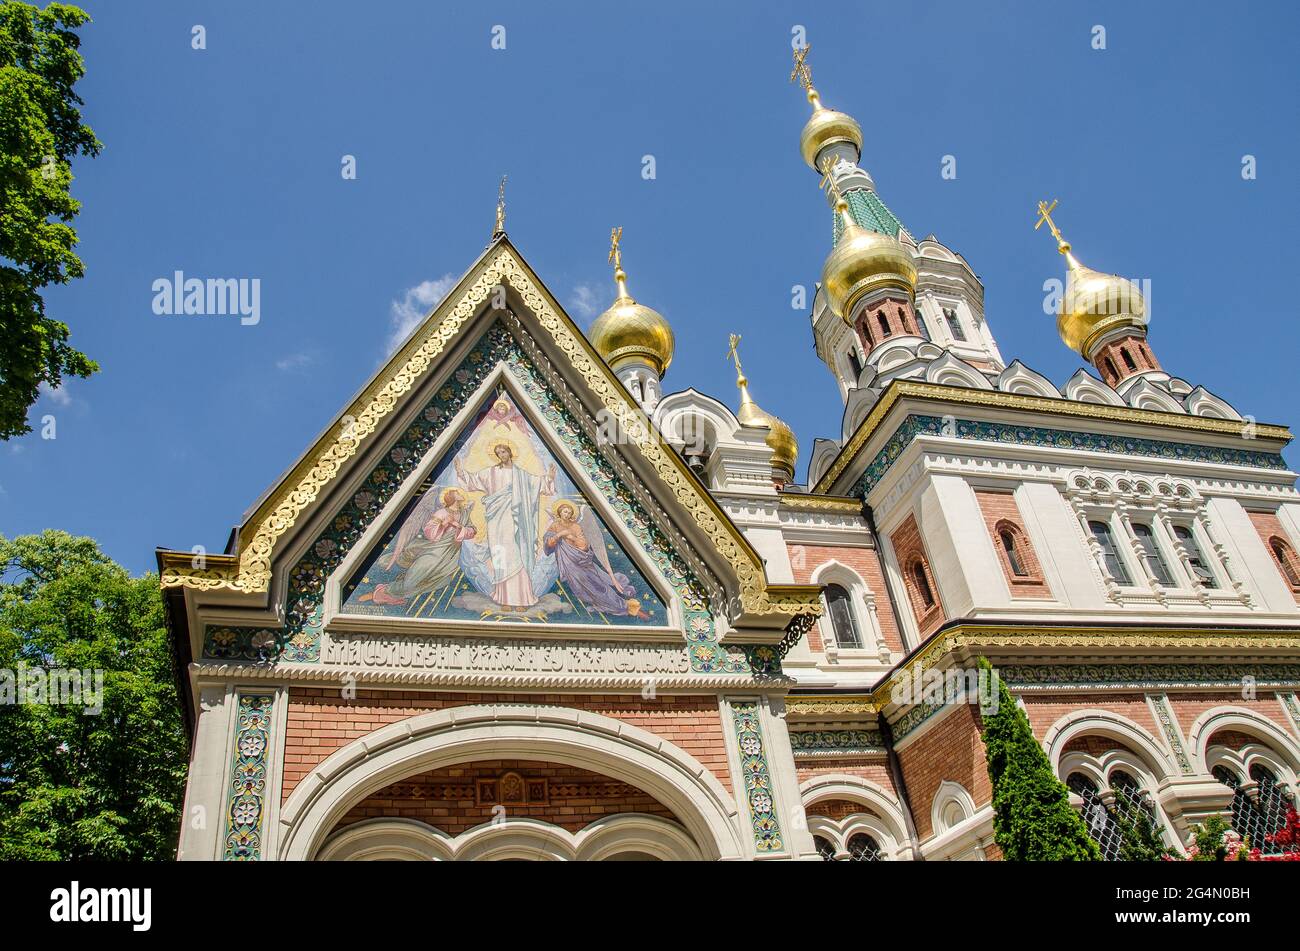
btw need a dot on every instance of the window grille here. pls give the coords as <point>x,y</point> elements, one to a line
<point>824,849</point>
<point>863,848</point>
<point>1254,819</point>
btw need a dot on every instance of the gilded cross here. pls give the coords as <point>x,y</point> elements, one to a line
<point>802,71</point>
<point>615,252</point>
<point>733,353</point>
<point>1045,217</point>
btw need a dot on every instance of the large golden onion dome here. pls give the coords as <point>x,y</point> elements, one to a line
<point>630,332</point>
<point>827,127</point>
<point>1094,304</point>
<point>780,437</point>
<point>863,261</point>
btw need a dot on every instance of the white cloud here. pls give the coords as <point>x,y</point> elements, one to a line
<point>414,305</point>
<point>585,301</point>
<point>295,361</point>
<point>59,397</point>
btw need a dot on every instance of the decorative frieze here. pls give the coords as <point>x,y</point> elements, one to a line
<point>758,781</point>
<point>1169,726</point>
<point>814,743</point>
<point>246,804</point>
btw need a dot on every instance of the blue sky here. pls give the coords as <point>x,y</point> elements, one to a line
<point>225,162</point>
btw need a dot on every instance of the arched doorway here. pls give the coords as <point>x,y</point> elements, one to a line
<point>697,801</point>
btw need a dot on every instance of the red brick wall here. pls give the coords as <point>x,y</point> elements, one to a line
<point>1114,350</point>
<point>806,559</point>
<point>837,809</point>
<point>952,751</point>
<point>1045,711</point>
<point>1189,707</point>
<point>908,547</point>
<point>874,770</point>
<point>898,314</point>
<point>1000,508</point>
<point>1270,526</point>
<point>320,721</point>
<point>447,798</point>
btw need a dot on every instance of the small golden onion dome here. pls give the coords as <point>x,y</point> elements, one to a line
<point>630,332</point>
<point>1094,304</point>
<point>780,437</point>
<point>863,261</point>
<point>827,127</point>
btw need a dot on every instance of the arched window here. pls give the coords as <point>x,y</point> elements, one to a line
<point>1106,825</point>
<point>921,328</point>
<point>824,849</point>
<point>922,581</point>
<point>1110,367</point>
<point>884,324</point>
<point>1151,553</point>
<point>1195,557</point>
<point>1017,563</point>
<point>863,848</point>
<point>954,324</point>
<point>1254,819</point>
<point>855,364</point>
<point>1109,554</point>
<point>1128,360</point>
<point>843,620</point>
<point>1285,556</point>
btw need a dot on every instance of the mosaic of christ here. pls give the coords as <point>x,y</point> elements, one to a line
<point>500,532</point>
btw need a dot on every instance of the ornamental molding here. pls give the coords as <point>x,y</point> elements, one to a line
<point>993,399</point>
<point>803,706</point>
<point>259,536</point>
<point>334,676</point>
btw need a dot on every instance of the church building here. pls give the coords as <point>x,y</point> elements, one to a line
<point>524,600</point>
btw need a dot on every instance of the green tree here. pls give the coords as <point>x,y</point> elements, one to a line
<point>1033,820</point>
<point>40,131</point>
<point>73,784</point>
<point>1141,840</point>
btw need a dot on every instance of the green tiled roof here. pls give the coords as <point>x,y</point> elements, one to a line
<point>870,212</point>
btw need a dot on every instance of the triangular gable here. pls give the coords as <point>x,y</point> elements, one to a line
<point>501,531</point>
<point>756,603</point>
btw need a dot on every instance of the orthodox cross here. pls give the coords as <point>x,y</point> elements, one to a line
<point>802,71</point>
<point>733,353</point>
<point>1045,217</point>
<point>615,252</point>
<point>501,209</point>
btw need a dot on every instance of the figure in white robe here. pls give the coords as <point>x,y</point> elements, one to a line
<point>511,502</point>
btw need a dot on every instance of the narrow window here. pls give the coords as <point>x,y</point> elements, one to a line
<point>824,849</point>
<point>1286,561</point>
<point>1128,359</point>
<point>1013,555</point>
<point>954,324</point>
<point>863,848</point>
<point>1195,557</point>
<point>921,328</point>
<point>1110,368</point>
<point>922,584</point>
<point>855,363</point>
<point>843,621</point>
<point>1151,553</point>
<point>1101,532</point>
<point>884,324</point>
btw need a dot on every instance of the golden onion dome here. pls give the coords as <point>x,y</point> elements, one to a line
<point>827,127</point>
<point>630,332</point>
<point>780,437</point>
<point>863,261</point>
<point>1094,304</point>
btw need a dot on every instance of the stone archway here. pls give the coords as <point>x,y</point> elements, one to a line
<point>706,811</point>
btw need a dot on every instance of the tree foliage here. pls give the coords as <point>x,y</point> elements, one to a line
<point>40,132</point>
<point>75,785</point>
<point>1033,820</point>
